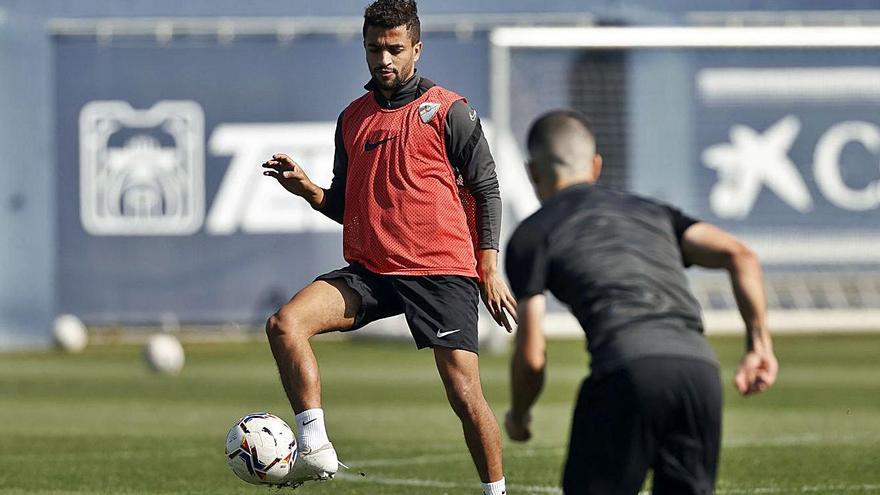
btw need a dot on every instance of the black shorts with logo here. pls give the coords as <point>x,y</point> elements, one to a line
<point>441,310</point>
<point>654,412</point>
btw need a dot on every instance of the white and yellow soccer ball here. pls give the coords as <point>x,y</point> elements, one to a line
<point>261,449</point>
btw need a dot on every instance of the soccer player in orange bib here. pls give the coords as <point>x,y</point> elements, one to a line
<point>415,189</point>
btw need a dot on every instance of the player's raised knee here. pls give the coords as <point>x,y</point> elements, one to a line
<point>284,324</point>
<point>273,326</point>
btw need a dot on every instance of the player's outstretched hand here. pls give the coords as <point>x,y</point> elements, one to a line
<point>289,174</point>
<point>518,429</point>
<point>756,373</point>
<point>498,299</point>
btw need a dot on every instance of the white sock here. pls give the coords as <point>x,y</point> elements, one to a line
<point>494,488</point>
<point>310,430</point>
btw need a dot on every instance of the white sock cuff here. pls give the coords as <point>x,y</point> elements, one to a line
<point>308,415</point>
<point>495,488</point>
<point>310,430</point>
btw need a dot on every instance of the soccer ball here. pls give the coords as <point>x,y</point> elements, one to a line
<point>164,354</point>
<point>261,449</point>
<point>70,333</point>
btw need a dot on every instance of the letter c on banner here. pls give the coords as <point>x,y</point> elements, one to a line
<point>826,165</point>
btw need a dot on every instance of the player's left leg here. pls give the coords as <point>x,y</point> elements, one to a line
<point>460,372</point>
<point>611,444</point>
<point>687,458</point>
<point>441,311</point>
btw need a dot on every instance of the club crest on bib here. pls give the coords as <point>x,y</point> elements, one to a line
<point>427,111</point>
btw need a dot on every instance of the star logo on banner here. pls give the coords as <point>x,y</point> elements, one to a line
<point>751,161</point>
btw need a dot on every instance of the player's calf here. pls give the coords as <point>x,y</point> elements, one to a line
<point>460,373</point>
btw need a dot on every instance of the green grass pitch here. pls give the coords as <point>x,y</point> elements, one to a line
<point>100,423</point>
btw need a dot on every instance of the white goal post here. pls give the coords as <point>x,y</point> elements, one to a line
<point>501,40</point>
<point>858,248</point>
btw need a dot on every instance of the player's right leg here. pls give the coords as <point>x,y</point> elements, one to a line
<point>460,372</point>
<point>322,306</point>
<point>611,444</point>
<point>687,457</point>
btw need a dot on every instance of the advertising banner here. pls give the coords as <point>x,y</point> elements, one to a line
<point>162,208</point>
<point>792,149</point>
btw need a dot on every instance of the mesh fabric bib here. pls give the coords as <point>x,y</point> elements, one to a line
<point>406,213</point>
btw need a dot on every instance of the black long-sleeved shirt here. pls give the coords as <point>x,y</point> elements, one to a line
<point>466,148</point>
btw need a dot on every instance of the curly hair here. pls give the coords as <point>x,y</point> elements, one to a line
<point>388,14</point>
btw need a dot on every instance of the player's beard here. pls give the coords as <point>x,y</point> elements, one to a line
<point>390,85</point>
<point>393,84</point>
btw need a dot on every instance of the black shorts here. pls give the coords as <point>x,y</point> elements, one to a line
<point>441,310</point>
<point>655,412</point>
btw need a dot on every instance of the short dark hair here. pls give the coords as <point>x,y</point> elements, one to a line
<point>388,14</point>
<point>551,122</point>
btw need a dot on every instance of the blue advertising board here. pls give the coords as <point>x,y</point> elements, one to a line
<point>793,140</point>
<point>779,146</point>
<point>162,208</point>
<point>788,151</point>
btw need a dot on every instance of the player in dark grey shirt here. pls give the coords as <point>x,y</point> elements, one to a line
<point>653,399</point>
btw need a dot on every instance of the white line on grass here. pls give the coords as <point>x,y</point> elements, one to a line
<point>539,489</point>
<point>779,441</point>
<point>421,459</point>
<point>458,456</point>
<point>839,488</point>
<point>803,439</point>
<point>440,484</point>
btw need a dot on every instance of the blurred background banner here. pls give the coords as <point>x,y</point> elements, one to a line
<point>167,211</point>
<point>770,132</point>
<point>790,142</point>
<point>780,146</point>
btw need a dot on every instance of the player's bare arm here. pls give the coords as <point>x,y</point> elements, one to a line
<point>494,291</point>
<point>527,367</point>
<point>292,177</point>
<point>705,245</point>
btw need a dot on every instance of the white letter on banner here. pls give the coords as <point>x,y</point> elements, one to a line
<point>826,160</point>
<point>255,204</point>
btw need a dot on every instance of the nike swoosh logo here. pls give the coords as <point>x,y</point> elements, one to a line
<point>440,334</point>
<point>368,146</point>
<point>310,421</point>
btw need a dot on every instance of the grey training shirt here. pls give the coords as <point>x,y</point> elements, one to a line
<point>615,259</point>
